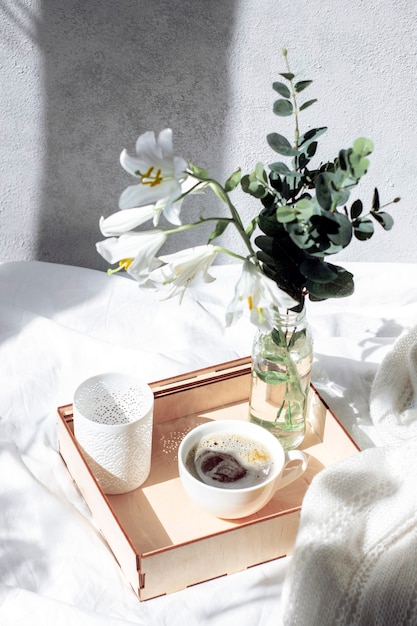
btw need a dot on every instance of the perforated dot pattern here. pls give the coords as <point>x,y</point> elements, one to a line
<point>113,401</point>
<point>113,425</point>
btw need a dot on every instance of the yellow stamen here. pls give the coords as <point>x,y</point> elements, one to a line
<point>152,179</point>
<point>259,309</point>
<point>123,265</point>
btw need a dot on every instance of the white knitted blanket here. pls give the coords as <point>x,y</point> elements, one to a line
<point>394,392</point>
<point>355,559</point>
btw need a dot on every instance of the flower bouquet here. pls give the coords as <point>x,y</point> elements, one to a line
<point>302,218</point>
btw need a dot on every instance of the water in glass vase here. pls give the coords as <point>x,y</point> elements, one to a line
<point>281,372</point>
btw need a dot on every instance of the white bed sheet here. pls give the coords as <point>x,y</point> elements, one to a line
<point>61,324</point>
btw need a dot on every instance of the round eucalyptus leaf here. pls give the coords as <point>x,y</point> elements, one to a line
<point>287,213</point>
<point>280,144</point>
<point>343,235</point>
<point>311,135</point>
<point>356,209</point>
<point>283,108</point>
<point>268,224</point>
<point>265,258</point>
<point>287,75</point>
<point>311,149</point>
<point>384,219</point>
<point>253,187</point>
<point>299,235</point>
<point>341,196</point>
<point>317,270</point>
<point>282,89</point>
<point>301,85</point>
<point>340,287</point>
<point>305,209</point>
<point>344,159</point>
<point>283,170</point>
<point>260,172</point>
<point>358,165</point>
<point>280,168</point>
<point>363,146</point>
<point>323,190</point>
<point>307,104</point>
<point>363,229</point>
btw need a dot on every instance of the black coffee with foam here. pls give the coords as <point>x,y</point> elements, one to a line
<point>229,461</point>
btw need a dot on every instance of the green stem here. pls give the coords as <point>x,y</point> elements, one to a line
<point>296,116</point>
<point>202,220</point>
<point>281,408</point>
<point>293,377</point>
<point>182,196</point>
<point>291,366</point>
<point>235,214</point>
<point>235,255</point>
<point>183,227</point>
<point>294,100</point>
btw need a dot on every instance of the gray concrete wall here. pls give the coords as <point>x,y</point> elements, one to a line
<point>81,79</point>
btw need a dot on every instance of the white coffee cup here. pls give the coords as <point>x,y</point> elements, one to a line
<point>113,418</point>
<point>260,453</point>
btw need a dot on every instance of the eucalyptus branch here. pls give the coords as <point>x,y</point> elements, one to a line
<point>293,97</point>
<point>372,212</point>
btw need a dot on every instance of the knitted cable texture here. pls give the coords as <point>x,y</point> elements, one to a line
<point>355,558</point>
<point>393,401</point>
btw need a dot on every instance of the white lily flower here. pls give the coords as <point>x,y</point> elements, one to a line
<point>135,252</point>
<point>260,294</point>
<point>123,221</point>
<point>161,174</point>
<point>182,267</point>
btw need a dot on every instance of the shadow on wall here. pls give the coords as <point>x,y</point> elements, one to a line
<point>112,71</point>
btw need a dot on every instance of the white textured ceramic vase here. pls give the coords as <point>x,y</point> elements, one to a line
<point>113,418</point>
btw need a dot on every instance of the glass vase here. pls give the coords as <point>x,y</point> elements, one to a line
<point>281,373</point>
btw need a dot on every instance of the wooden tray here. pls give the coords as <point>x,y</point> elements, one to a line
<point>162,541</point>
